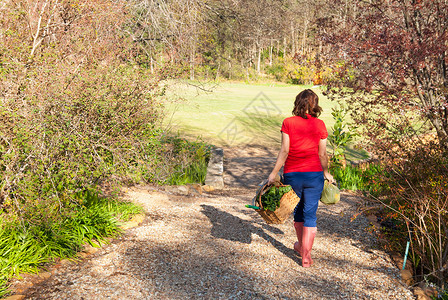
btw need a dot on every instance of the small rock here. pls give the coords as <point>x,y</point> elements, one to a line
<point>208,188</point>
<point>183,189</point>
<point>15,297</point>
<point>65,262</point>
<point>170,188</point>
<point>137,219</point>
<point>44,275</point>
<point>420,294</point>
<point>197,187</point>
<point>195,192</point>
<point>129,225</point>
<point>215,181</point>
<point>89,249</point>
<point>22,289</point>
<point>406,275</point>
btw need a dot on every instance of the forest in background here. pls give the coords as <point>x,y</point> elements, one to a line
<point>240,40</point>
<point>81,84</point>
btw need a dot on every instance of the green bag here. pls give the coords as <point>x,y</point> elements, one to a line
<point>330,194</point>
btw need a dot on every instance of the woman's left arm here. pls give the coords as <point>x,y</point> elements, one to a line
<point>323,157</point>
<point>281,158</point>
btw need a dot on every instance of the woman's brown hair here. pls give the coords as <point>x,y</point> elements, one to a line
<point>307,102</point>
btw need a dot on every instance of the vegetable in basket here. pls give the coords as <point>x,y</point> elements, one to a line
<point>271,199</point>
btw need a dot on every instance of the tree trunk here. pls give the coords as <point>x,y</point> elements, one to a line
<point>306,22</point>
<point>152,65</point>
<point>305,29</point>
<point>192,64</point>
<point>217,71</point>
<point>442,131</point>
<point>284,47</point>
<point>293,38</point>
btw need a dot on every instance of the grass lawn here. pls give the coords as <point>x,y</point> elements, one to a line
<point>236,114</point>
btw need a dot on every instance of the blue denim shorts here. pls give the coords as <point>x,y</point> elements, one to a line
<point>308,186</point>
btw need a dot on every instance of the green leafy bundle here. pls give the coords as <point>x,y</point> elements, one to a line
<point>271,199</point>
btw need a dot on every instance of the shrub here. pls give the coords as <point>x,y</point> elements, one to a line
<point>103,124</point>
<point>417,194</point>
<point>277,69</point>
<point>25,246</point>
<point>359,178</point>
<point>341,136</point>
<point>180,162</point>
<point>77,108</point>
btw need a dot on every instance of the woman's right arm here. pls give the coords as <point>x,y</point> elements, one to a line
<point>323,157</point>
<point>281,158</point>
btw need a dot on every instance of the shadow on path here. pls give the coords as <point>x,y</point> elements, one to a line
<point>222,221</point>
<point>247,172</point>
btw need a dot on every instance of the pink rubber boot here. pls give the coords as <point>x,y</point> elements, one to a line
<point>308,235</point>
<point>299,229</point>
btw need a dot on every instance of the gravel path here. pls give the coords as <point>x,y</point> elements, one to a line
<point>212,247</point>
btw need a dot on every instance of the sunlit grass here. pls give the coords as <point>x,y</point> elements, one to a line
<point>207,113</point>
<point>237,114</point>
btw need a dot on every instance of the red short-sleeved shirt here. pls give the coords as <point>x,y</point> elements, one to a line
<point>304,136</point>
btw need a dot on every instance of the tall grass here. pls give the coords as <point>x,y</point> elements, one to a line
<point>26,246</point>
<point>194,173</point>
<point>191,161</point>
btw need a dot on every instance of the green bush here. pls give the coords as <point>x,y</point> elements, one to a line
<point>292,70</point>
<point>103,125</point>
<point>78,107</point>
<point>190,161</point>
<point>277,70</point>
<point>26,246</point>
<point>359,178</point>
<point>342,135</point>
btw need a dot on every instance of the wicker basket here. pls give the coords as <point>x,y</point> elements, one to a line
<point>287,204</point>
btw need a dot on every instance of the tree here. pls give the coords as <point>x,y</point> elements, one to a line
<point>74,106</point>
<point>171,29</point>
<point>227,37</point>
<point>393,56</point>
<point>391,66</point>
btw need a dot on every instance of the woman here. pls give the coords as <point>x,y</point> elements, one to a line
<point>304,156</point>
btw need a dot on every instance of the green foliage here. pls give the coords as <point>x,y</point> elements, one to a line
<point>341,136</point>
<point>25,246</point>
<point>278,70</point>
<point>359,178</point>
<point>76,110</point>
<point>191,161</point>
<point>102,125</point>
<point>271,199</point>
<point>291,70</point>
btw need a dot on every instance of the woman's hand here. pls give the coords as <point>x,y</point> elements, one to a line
<point>329,177</point>
<point>272,178</point>
<point>324,160</point>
